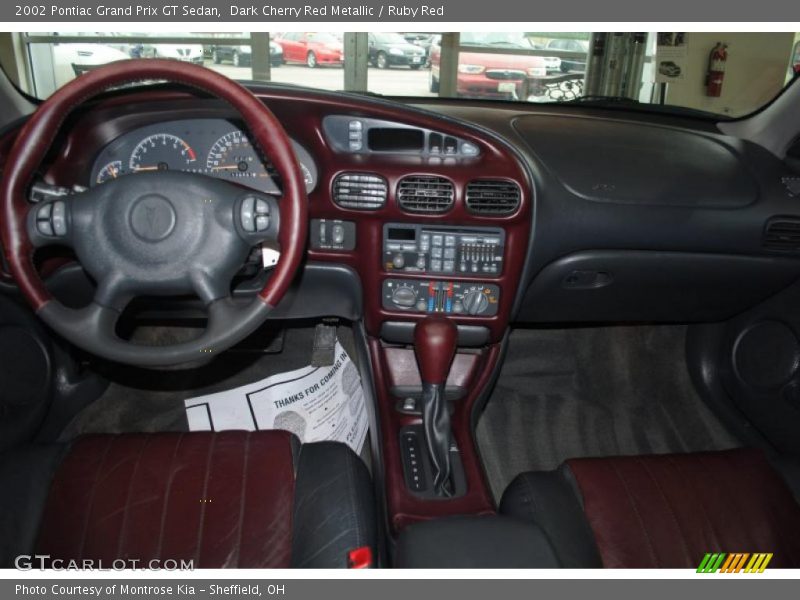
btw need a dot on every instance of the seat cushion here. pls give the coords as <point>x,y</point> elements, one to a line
<point>670,510</point>
<point>228,499</point>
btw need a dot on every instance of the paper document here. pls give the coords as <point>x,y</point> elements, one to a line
<point>314,403</point>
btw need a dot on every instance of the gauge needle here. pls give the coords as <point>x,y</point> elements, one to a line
<point>225,167</point>
<point>153,168</point>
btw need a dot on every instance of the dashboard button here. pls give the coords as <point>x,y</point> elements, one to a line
<point>338,234</point>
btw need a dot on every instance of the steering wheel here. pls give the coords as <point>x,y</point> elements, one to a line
<point>159,233</point>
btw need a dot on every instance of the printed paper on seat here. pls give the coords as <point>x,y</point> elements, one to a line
<point>314,403</point>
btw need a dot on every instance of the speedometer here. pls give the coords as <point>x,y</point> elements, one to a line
<point>162,152</point>
<point>233,156</point>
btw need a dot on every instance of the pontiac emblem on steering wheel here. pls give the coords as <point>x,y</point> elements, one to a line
<point>152,218</point>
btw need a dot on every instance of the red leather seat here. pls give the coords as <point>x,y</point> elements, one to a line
<point>661,511</point>
<point>229,499</point>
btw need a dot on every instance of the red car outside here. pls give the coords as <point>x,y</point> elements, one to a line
<point>312,49</point>
<point>485,75</point>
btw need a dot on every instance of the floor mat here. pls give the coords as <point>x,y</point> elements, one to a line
<point>601,391</point>
<point>141,400</point>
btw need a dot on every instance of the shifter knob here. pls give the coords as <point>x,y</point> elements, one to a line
<point>435,340</point>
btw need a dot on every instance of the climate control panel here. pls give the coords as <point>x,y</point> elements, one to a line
<point>446,250</point>
<point>448,297</point>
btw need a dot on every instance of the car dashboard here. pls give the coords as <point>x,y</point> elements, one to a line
<point>488,213</point>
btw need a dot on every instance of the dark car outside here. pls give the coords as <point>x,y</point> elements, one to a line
<point>392,50</point>
<point>241,56</point>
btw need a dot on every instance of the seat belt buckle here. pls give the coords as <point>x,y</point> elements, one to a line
<point>360,558</point>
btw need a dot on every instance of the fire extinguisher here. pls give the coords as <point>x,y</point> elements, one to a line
<point>716,70</point>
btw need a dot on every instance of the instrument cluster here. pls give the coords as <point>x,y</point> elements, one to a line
<point>214,147</point>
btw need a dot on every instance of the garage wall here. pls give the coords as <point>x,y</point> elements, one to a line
<point>756,71</point>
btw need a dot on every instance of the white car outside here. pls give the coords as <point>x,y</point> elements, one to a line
<point>81,55</point>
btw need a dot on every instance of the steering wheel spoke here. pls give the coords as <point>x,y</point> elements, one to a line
<point>50,223</point>
<point>257,217</point>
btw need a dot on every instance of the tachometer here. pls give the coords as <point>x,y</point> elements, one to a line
<point>162,152</point>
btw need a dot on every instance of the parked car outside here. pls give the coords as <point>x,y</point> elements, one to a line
<point>392,50</point>
<point>69,58</point>
<point>552,63</point>
<point>241,56</point>
<point>485,75</point>
<point>312,49</point>
<point>183,52</point>
<point>571,65</point>
<point>424,41</point>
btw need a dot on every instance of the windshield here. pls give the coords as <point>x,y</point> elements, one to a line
<point>706,74</point>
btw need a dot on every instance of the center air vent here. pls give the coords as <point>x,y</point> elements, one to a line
<point>425,194</point>
<point>782,233</point>
<point>492,196</point>
<point>360,191</point>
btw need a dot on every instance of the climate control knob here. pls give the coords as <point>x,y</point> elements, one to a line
<point>475,302</point>
<point>404,297</point>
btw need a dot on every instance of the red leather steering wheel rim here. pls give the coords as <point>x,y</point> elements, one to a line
<point>35,138</point>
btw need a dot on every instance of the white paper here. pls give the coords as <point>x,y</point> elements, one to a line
<point>672,54</point>
<point>314,403</point>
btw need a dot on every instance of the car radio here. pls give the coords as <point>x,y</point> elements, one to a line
<point>415,248</point>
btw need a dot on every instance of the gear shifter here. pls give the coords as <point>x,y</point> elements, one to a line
<point>435,346</point>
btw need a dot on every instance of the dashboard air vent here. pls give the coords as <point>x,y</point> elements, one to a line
<point>425,194</point>
<point>782,233</point>
<point>492,196</point>
<point>360,191</point>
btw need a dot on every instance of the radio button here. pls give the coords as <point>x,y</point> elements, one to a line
<point>398,261</point>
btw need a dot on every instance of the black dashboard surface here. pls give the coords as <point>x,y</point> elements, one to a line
<point>633,163</point>
<point>643,217</point>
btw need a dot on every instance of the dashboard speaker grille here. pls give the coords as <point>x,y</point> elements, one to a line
<point>360,191</point>
<point>425,194</point>
<point>492,196</point>
<point>782,233</point>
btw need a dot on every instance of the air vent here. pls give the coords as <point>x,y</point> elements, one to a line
<point>782,233</point>
<point>492,197</point>
<point>360,191</point>
<point>425,194</point>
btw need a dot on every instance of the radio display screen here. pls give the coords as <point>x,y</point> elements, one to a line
<point>385,139</point>
<point>402,234</point>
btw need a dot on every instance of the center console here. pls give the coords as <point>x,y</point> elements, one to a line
<point>436,220</point>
